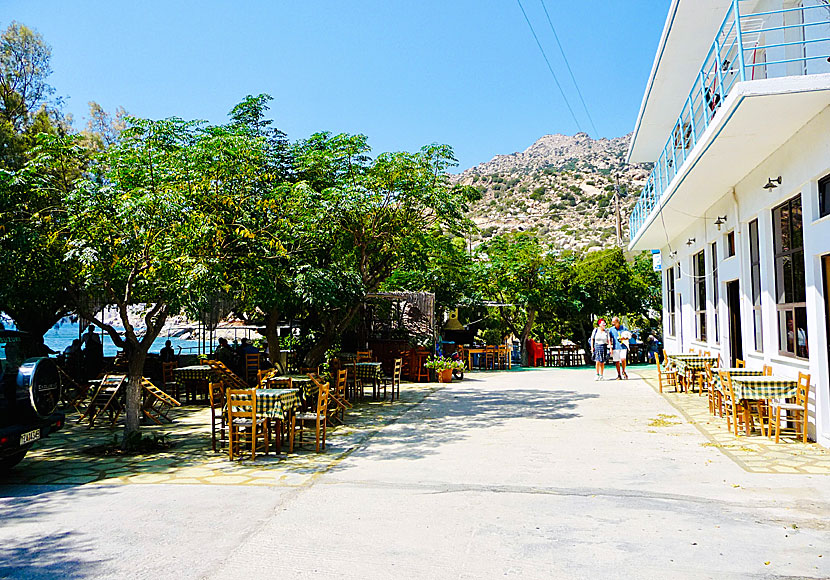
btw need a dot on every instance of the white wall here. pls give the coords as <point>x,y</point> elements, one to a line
<point>803,160</point>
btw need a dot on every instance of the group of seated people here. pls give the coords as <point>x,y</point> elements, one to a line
<point>233,356</point>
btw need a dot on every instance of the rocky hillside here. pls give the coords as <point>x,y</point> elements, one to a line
<point>563,186</point>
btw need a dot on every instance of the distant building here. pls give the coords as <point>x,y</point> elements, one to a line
<point>736,118</point>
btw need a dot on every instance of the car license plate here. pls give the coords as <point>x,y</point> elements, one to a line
<point>30,436</point>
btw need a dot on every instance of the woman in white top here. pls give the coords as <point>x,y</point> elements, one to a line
<point>600,346</point>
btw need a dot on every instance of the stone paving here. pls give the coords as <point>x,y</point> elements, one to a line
<point>61,457</point>
<point>755,454</point>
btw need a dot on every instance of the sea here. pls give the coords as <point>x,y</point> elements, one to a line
<point>65,331</point>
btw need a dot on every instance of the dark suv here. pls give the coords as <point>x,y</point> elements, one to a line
<point>31,391</point>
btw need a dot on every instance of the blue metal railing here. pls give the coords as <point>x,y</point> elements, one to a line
<point>768,44</point>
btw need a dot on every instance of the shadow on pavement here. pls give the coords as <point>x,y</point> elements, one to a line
<point>459,410</point>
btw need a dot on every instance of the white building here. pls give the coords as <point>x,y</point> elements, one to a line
<point>736,118</point>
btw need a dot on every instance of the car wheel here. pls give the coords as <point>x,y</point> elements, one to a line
<point>7,463</point>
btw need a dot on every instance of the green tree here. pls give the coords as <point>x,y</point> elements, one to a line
<point>138,230</point>
<point>39,164</point>
<point>514,271</point>
<point>597,284</point>
<point>365,215</point>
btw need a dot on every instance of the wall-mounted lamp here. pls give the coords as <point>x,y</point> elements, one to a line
<point>771,183</point>
<point>673,254</point>
<point>720,221</point>
<point>690,242</point>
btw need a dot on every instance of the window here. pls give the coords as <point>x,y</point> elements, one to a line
<point>824,197</point>
<point>670,304</point>
<point>755,279</point>
<point>790,289</point>
<point>699,273</point>
<point>715,290</point>
<point>730,244</point>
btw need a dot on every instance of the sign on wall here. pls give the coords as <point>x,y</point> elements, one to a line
<point>657,260</point>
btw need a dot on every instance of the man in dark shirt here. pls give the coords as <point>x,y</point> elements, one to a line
<point>167,354</point>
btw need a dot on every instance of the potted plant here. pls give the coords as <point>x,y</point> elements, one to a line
<point>443,367</point>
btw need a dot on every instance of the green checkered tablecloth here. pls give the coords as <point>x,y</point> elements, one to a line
<point>193,373</point>
<point>369,371</point>
<point>734,372</point>
<point>763,387</point>
<point>693,363</point>
<point>307,388</point>
<point>274,403</point>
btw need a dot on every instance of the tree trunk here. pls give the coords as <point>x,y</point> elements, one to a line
<point>134,377</point>
<point>271,321</point>
<point>583,338</point>
<point>315,355</point>
<point>531,318</point>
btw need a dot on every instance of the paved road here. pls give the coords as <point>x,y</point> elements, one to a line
<point>534,474</point>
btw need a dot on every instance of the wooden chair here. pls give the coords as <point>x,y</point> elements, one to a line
<point>277,383</point>
<point>168,378</point>
<point>300,420</point>
<point>503,357</point>
<point>310,370</point>
<point>714,395</point>
<point>739,364</point>
<point>252,360</point>
<point>795,412</point>
<point>490,355</point>
<point>337,395</point>
<point>73,393</point>
<point>156,404</point>
<point>242,419</point>
<point>107,397</point>
<point>736,412</point>
<point>228,377</point>
<point>767,371</point>
<point>364,356</point>
<point>707,353</point>
<point>264,374</point>
<point>216,398</point>
<point>394,381</point>
<point>665,374</point>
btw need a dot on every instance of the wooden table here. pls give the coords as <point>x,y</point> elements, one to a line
<point>196,376</point>
<point>693,364</point>
<point>470,353</point>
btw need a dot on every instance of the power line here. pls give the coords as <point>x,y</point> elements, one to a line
<point>568,64</point>
<point>550,68</point>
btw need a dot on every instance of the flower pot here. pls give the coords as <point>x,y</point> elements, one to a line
<point>444,375</point>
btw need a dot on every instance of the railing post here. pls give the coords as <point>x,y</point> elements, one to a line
<point>703,102</point>
<point>719,70</point>
<point>736,10</point>
<point>692,121</point>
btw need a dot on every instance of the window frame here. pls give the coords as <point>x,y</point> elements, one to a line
<point>824,197</point>
<point>699,297</point>
<point>715,290</point>
<point>729,244</point>
<point>755,284</point>
<point>671,302</point>
<point>788,257</point>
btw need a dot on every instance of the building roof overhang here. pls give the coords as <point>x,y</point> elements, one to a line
<point>690,30</point>
<point>756,119</point>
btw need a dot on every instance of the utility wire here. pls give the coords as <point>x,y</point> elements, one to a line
<point>550,68</point>
<point>568,64</point>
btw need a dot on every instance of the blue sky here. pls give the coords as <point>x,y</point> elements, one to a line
<point>460,72</point>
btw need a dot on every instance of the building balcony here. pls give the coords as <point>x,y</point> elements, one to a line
<point>766,74</point>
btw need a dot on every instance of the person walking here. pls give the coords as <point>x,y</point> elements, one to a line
<point>600,345</point>
<point>619,346</point>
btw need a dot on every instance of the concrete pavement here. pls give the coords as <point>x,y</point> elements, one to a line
<point>533,474</point>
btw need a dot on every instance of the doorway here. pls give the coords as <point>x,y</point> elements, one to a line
<point>825,268</point>
<point>733,303</point>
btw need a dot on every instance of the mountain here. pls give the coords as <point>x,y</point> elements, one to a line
<point>562,186</point>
